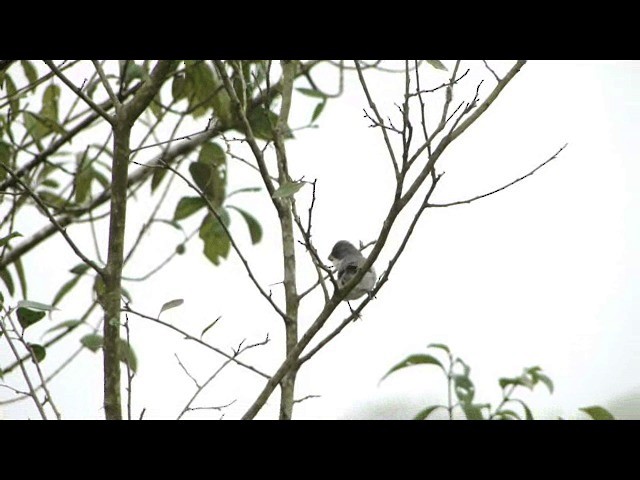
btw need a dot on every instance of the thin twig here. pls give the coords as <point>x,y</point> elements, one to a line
<point>53,220</point>
<point>469,200</point>
<point>491,70</point>
<point>96,108</point>
<point>197,340</point>
<point>106,84</point>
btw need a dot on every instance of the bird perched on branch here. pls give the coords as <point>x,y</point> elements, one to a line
<point>347,259</point>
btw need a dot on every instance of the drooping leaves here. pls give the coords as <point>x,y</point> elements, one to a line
<point>216,241</point>
<point>188,206</point>
<point>255,229</point>
<point>411,360</point>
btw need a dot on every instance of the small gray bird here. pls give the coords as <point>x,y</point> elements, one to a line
<point>347,259</point>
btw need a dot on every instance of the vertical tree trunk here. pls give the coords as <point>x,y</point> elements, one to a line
<point>113,271</point>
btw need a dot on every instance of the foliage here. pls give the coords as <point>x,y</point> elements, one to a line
<point>459,383</point>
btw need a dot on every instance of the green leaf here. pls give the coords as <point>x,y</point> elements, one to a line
<point>464,388</point>
<point>157,177</point>
<point>206,329</point>
<point>29,71</point>
<point>68,324</point>
<point>200,87</point>
<point>212,153</point>
<point>14,102</point>
<point>92,341</point>
<point>5,240</point>
<point>216,241</point>
<point>263,123</point>
<point>36,305</point>
<point>126,355</point>
<point>50,103</point>
<point>317,111</point>
<point>287,189</point>
<point>504,382</point>
<point>471,411</point>
<point>423,414</point>
<point>172,304</point>
<point>441,346</point>
<point>203,175</point>
<point>178,87</point>
<point>52,200</point>
<point>598,413</point>
<point>28,317</point>
<point>66,288</point>
<point>243,190</point>
<point>50,182</point>
<point>180,249</point>
<point>255,229</point>
<point>188,206</point>
<point>102,180</point>
<point>417,359</point>
<point>437,64</point>
<point>5,158</point>
<point>133,71</point>
<point>38,351</point>
<point>80,269</point>
<point>310,92</point>
<point>507,415</point>
<point>8,281</point>
<point>21,276</point>
<point>82,182</point>
<point>527,411</point>
<point>546,380</point>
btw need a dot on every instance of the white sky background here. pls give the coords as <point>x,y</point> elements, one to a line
<point>540,274</point>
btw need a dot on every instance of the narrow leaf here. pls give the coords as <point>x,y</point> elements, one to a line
<point>427,411</point>
<point>464,388</point>
<point>36,305</point>
<point>310,92</point>
<point>82,183</point>
<point>5,240</point>
<point>126,354</point>
<point>21,276</point>
<point>243,190</point>
<point>158,175</point>
<point>441,346</point>
<point>287,189</point>
<point>38,351</point>
<point>28,317</point>
<point>598,413</point>
<point>437,64</point>
<point>92,341</point>
<point>527,411</point>
<point>172,304</point>
<point>80,269</point>
<point>546,380</point>
<point>255,229</point>
<point>66,288</point>
<point>411,360</point>
<point>29,71</point>
<point>188,206</point>
<point>208,327</point>
<point>67,324</point>
<point>8,281</point>
<point>317,111</point>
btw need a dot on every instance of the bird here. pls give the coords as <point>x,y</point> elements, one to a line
<point>347,259</point>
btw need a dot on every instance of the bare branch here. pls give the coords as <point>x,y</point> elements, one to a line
<point>495,75</point>
<point>197,340</point>
<point>469,200</point>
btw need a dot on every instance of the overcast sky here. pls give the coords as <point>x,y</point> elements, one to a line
<point>543,273</point>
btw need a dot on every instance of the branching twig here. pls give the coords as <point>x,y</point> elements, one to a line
<point>197,340</point>
<point>80,93</point>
